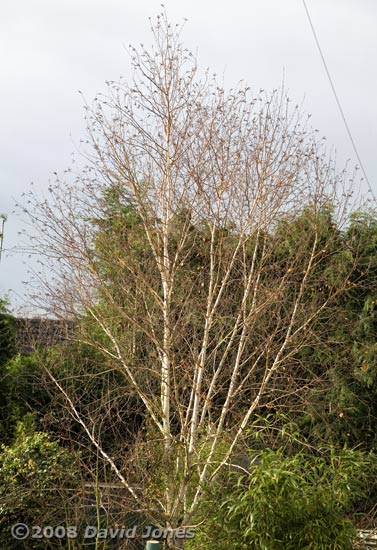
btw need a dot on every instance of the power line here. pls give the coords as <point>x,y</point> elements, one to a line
<point>338,101</point>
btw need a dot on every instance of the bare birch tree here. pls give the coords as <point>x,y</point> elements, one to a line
<point>181,283</point>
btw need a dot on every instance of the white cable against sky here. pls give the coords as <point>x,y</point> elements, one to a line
<point>338,101</point>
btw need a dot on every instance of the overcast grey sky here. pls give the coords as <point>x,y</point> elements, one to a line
<point>50,49</point>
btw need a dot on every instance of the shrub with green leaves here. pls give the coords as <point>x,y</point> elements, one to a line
<point>296,502</point>
<point>37,479</point>
<point>23,393</point>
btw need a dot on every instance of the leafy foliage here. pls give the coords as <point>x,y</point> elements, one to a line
<point>342,408</point>
<point>287,502</point>
<point>37,479</point>
<point>24,393</point>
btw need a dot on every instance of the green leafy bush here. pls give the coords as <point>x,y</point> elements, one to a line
<point>37,479</point>
<point>296,502</point>
<point>23,392</point>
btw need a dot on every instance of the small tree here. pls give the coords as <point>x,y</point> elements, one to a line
<point>168,244</point>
